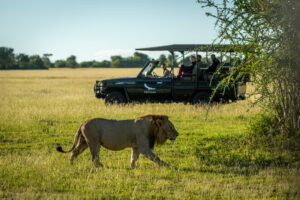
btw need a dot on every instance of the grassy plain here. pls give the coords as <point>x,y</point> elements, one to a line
<point>211,159</point>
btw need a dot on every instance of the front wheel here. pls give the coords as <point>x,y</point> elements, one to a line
<point>201,98</point>
<point>115,98</point>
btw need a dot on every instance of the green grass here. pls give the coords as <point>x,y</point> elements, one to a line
<point>211,158</point>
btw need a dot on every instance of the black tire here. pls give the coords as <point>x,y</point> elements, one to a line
<point>201,98</point>
<point>98,96</point>
<point>115,98</point>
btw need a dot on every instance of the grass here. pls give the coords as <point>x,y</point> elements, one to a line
<point>211,158</point>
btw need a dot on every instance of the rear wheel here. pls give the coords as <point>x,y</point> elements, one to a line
<point>201,98</point>
<point>115,98</point>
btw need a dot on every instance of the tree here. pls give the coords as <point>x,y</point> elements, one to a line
<point>23,61</point>
<point>138,59</point>
<point>266,33</point>
<point>103,64</point>
<point>71,62</point>
<point>7,59</point>
<point>60,64</point>
<point>36,62</point>
<point>85,64</point>
<point>46,60</point>
<point>170,61</point>
<point>162,59</point>
<point>116,61</point>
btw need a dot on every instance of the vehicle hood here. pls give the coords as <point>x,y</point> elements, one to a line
<point>120,80</point>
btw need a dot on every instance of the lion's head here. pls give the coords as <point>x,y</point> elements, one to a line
<point>163,129</point>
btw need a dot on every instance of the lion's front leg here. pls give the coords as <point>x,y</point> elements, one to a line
<point>134,156</point>
<point>150,155</point>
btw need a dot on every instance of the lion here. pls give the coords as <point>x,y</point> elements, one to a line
<point>140,134</point>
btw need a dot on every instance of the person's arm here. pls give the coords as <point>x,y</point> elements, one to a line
<point>190,67</point>
<point>213,66</point>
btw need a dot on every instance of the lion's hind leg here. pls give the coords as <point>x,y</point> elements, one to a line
<point>81,146</point>
<point>95,150</point>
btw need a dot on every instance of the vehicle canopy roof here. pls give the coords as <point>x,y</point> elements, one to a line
<point>190,47</point>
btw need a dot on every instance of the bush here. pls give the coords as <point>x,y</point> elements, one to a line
<point>264,145</point>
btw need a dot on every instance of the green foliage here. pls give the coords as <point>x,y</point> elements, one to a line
<point>102,64</point>
<point>23,61</point>
<point>60,64</point>
<point>36,62</point>
<point>264,133</point>
<point>137,60</point>
<point>6,58</point>
<point>265,34</point>
<point>46,61</point>
<point>162,59</point>
<point>86,64</point>
<point>71,62</point>
<point>169,61</point>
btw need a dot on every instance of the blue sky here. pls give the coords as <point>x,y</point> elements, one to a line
<point>97,29</point>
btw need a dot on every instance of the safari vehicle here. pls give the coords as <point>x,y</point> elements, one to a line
<point>149,86</point>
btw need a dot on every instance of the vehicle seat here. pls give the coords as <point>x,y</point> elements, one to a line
<point>190,76</point>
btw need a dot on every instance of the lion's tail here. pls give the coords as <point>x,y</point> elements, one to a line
<point>78,134</point>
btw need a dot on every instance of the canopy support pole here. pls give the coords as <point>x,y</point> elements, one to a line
<point>173,63</point>
<point>182,52</point>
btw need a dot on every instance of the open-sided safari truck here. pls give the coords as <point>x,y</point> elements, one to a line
<point>151,85</point>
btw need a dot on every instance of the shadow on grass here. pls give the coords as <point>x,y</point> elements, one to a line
<point>246,171</point>
<point>238,155</point>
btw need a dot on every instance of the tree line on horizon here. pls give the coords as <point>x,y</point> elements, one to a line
<point>10,60</point>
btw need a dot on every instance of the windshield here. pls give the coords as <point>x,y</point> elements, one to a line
<point>151,70</point>
<point>148,69</point>
<point>146,72</point>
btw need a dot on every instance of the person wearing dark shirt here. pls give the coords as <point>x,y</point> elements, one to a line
<point>199,59</point>
<point>187,69</point>
<point>215,63</point>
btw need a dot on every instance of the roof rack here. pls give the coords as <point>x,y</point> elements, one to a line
<point>190,47</point>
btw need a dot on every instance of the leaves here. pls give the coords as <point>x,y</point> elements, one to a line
<point>265,34</point>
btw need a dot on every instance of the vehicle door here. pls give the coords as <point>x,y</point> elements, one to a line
<point>151,89</point>
<point>158,88</point>
<point>184,88</point>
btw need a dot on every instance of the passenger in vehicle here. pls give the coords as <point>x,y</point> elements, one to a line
<point>215,63</point>
<point>199,59</point>
<point>201,72</point>
<point>167,73</point>
<point>186,69</point>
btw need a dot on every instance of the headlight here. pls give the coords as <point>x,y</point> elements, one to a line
<point>99,83</point>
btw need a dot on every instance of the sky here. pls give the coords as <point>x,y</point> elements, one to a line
<point>97,29</point>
